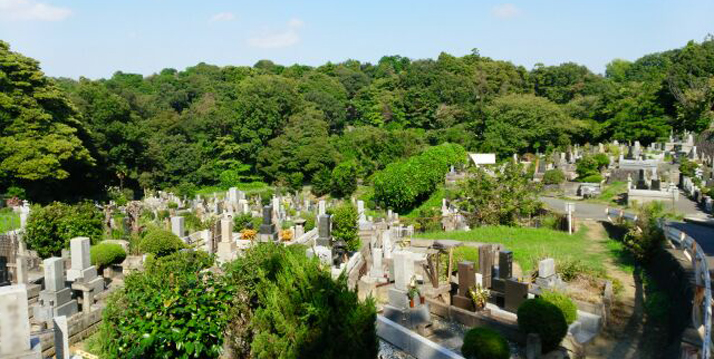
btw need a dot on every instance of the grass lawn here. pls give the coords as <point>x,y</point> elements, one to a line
<point>434,201</point>
<point>529,245</point>
<point>9,220</point>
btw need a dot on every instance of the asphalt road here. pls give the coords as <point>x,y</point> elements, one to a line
<point>702,234</point>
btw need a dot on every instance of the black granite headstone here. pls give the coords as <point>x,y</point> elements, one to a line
<point>641,184</point>
<point>505,264</point>
<point>516,293</point>
<point>655,185</point>
<point>4,273</point>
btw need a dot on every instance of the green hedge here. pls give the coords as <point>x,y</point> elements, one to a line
<point>403,185</point>
<point>562,301</point>
<point>105,254</point>
<point>545,319</point>
<point>485,343</point>
<point>161,242</point>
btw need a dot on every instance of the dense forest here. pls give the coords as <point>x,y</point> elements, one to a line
<point>208,125</point>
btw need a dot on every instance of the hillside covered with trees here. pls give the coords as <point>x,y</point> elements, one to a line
<point>208,125</point>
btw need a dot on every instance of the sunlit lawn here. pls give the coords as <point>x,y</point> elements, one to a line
<point>529,245</point>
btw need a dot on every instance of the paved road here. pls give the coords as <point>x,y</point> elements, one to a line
<point>702,234</point>
<point>583,210</point>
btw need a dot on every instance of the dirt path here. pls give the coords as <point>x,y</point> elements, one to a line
<point>627,336</point>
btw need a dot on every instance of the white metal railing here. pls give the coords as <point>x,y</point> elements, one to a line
<point>699,261</point>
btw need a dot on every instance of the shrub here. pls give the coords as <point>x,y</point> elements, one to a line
<point>50,228</point>
<point>287,306</point>
<point>344,180</point>
<point>105,254</point>
<point>545,319</point>
<point>240,222</point>
<point>562,301</point>
<point>602,160</point>
<point>344,225</point>
<point>161,242</point>
<point>173,309</point>
<point>554,176</point>
<point>688,168</point>
<point>403,185</point>
<point>644,239</point>
<point>485,343</point>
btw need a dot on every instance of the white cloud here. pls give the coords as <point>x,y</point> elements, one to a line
<point>32,10</point>
<point>223,16</point>
<point>275,40</point>
<point>506,11</point>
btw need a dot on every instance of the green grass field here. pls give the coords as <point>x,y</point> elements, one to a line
<point>9,220</point>
<point>529,245</point>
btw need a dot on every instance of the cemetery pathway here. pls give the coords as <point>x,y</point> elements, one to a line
<point>628,335</point>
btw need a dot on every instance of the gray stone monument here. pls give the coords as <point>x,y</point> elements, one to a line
<point>467,279</point>
<point>177,226</point>
<point>324,236</point>
<point>268,230</point>
<point>505,264</point>
<point>56,299</point>
<point>15,341</point>
<point>485,264</point>
<point>61,330</point>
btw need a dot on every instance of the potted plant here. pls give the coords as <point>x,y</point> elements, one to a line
<point>412,294</point>
<point>479,296</point>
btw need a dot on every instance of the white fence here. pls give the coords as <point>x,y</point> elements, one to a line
<point>701,268</point>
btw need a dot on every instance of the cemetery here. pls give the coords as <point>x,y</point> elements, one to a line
<point>460,207</point>
<point>428,288</point>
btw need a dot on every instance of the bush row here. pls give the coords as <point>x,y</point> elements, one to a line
<point>403,185</point>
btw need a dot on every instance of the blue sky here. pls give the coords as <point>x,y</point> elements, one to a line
<point>95,38</point>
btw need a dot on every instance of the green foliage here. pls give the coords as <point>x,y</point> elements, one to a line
<point>173,309</point>
<point>688,168</point>
<point>15,191</point>
<point>525,123</point>
<point>485,343</point>
<point>344,225</point>
<point>50,228</point>
<point>402,186</point>
<point>223,126</point>
<point>287,306</point>
<point>105,254</point>
<point>343,182</point>
<point>42,140</point>
<point>321,182</point>
<point>503,198</point>
<point>241,221</point>
<point>161,242</point>
<point>602,160</point>
<point>562,301</point>
<point>644,239</point>
<point>545,319</point>
<point>553,176</point>
<point>590,179</point>
<point>586,166</point>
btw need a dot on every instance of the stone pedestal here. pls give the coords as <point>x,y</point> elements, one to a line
<point>411,318</point>
<point>55,300</point>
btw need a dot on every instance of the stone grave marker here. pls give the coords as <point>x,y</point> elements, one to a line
<point>15,341</point>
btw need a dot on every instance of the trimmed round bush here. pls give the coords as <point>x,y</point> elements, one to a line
<point>161,242</point>
<point>545,319</point>
<point>554,176</point>
<point>562,301</point>
<point>106,254</point>
<point>485,343</point>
